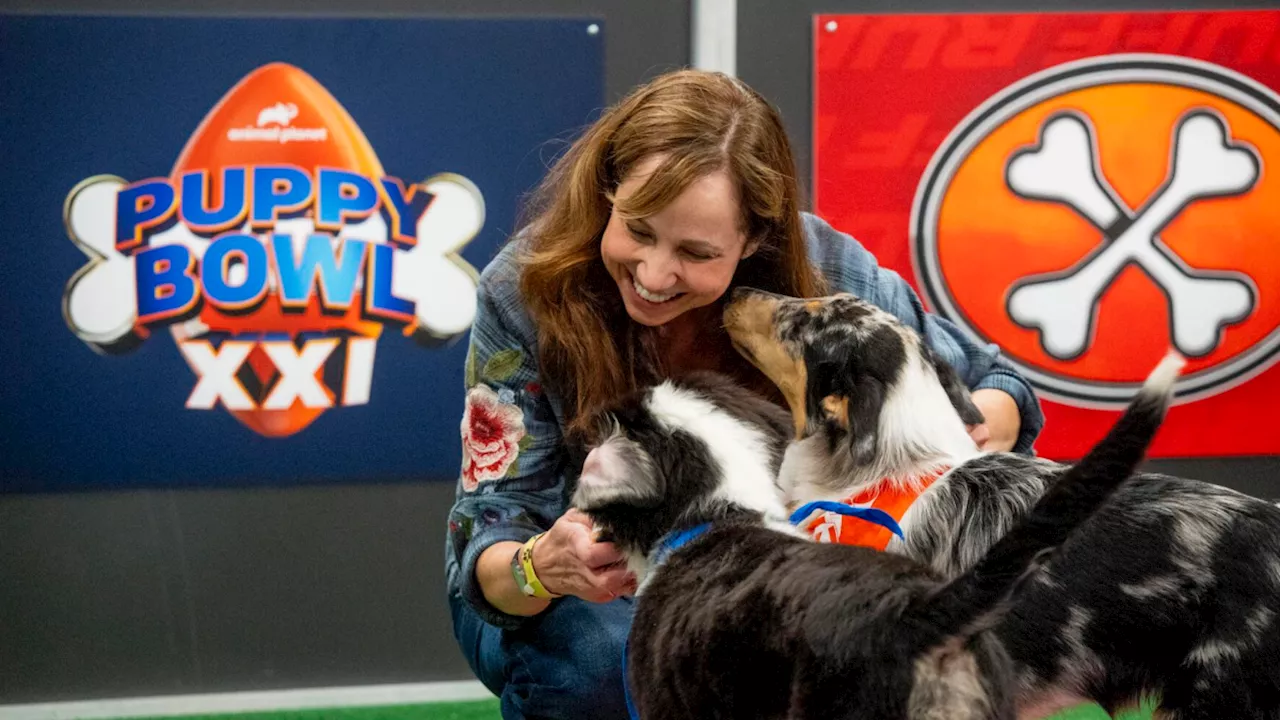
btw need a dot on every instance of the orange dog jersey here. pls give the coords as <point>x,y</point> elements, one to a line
<point>830,527</point>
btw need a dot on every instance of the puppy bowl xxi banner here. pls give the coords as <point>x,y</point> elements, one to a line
<point>1085,190</point>
<point>245,251</point>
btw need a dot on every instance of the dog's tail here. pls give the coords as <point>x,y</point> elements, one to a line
<point>973,601</point>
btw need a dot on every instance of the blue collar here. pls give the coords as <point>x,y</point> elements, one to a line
<point>675,540</point>
<point>871,515</point>
<point>669,543</point>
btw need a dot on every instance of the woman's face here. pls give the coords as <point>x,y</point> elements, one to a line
<point>681,257</point>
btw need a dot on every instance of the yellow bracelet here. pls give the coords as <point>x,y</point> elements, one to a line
<point>526,563</point>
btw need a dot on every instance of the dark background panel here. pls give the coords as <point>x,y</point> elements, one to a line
<point>135,593</point>
<point>486,101</point>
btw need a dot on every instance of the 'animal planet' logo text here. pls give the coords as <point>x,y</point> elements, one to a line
<point>275,263</point>
<point>1092,215</point>
<point>275,124</point>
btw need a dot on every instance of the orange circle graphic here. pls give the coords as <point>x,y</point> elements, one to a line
<point>1098,214</point>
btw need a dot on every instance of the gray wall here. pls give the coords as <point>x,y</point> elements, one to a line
<point>125,594</point>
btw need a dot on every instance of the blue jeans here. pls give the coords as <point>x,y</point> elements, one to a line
<point>563,665</point>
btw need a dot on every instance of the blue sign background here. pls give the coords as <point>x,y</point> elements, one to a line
<point>491,100</point>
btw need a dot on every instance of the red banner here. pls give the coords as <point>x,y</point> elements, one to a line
<point>1086,190</point>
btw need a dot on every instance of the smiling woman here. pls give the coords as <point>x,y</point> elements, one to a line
<point>680,257</point>
<point>682,191</point>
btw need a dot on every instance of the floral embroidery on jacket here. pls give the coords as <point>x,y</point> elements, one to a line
<point>493,435</point>
<point>499,368</point>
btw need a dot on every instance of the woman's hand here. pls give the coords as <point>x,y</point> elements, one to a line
<point>570,561</point>
<point>1000,432</point>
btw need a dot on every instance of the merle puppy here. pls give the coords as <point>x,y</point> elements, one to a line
<point>1170,591</point>
<point>741,616</point>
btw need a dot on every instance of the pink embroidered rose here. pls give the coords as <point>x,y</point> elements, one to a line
<point>491,435</point>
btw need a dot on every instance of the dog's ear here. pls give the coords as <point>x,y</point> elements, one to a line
<point>827,394</point>
<point>864,418</point>
<point>956,391</point>
<point>618,472</point>
<point>851,401</point>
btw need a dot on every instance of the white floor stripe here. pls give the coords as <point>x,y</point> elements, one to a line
<point>358,696</point>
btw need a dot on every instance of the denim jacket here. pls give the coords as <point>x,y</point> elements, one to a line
<point>514,469</point>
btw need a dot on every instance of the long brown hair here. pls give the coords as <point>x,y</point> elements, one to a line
<point>589,349</point>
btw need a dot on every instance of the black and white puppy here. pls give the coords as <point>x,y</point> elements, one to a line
<point>1171,591</point>
<point>740,616</point>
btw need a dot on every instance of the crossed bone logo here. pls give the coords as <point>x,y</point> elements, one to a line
<point>1088,216</point>
<point>1063,168</point>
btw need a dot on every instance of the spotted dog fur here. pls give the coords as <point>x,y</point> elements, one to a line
<point>1169,592</point>
<point>752,619</point>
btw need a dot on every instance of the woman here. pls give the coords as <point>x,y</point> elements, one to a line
<point>679,192</point>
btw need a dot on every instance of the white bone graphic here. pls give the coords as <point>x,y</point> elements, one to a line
<point>1063,168</point>
<point>100,305</point>
<point>431,273</point>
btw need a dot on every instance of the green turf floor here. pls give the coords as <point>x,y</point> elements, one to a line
<point>488,710</point>
<point>1093,712</point>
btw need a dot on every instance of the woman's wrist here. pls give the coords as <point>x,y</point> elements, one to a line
<point>524,570</point>
<point>498,583</point>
